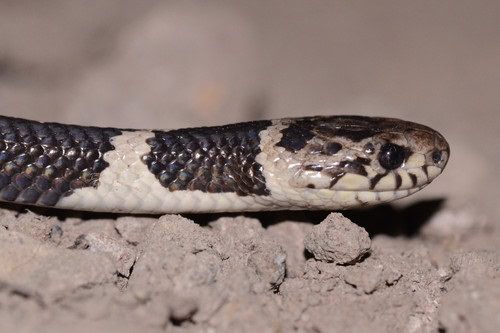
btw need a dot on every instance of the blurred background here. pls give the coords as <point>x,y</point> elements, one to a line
<point>168,64</point>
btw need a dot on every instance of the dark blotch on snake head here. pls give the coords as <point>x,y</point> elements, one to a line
<point>297,134</point>
<point>369,148</point>
<point>332,148</point>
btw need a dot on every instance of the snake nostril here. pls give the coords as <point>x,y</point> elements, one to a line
<point>436,156</point>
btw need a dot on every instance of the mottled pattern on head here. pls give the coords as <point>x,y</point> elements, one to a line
<point>354,153</point>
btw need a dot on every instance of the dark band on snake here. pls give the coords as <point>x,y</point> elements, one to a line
<point>214,160</point>
<point>42,162</point>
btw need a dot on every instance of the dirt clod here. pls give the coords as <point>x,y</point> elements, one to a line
<point>338,240</point>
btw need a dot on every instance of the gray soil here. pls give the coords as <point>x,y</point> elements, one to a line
<point>429,263</point>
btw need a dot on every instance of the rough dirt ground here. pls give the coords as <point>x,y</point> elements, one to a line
<point>429,263</point>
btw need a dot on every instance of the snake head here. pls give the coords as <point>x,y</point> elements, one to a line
<point>361,159</point>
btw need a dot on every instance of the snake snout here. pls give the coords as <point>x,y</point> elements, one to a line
<point>441,155</point>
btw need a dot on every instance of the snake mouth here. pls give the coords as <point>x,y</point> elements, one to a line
<point>374,197</point>
<point>389,181</point>
<point>326,199</point>
<point>412,190</point>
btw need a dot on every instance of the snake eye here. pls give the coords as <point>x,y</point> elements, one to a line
<point>391,156</point>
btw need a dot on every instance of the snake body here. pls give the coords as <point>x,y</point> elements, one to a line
<point>323,162</point>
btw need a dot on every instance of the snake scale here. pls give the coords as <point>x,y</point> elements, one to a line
<point>322,162</point>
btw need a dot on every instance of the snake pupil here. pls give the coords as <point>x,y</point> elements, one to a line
<point>391,156</point>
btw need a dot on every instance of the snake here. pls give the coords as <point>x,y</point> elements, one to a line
<point>309,163</point>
